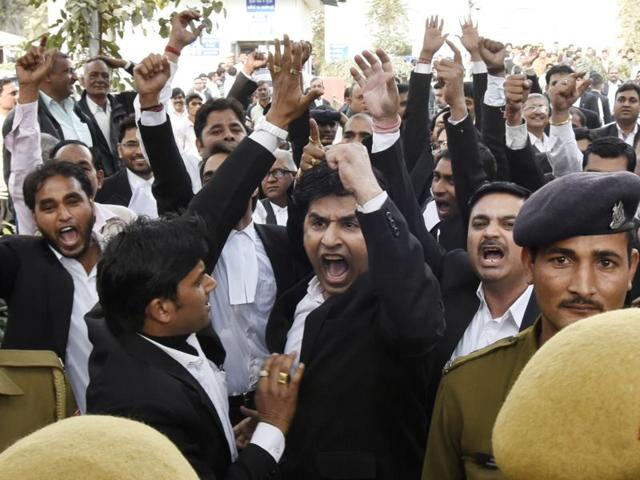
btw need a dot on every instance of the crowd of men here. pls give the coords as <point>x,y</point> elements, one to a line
<point>288,290</point>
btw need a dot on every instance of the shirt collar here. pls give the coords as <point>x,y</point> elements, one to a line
<point>621,133</point>
<point>315,292</point>
<point>95,108</point>
<point>517,308</point>
<point>50,101</point>
<point>277,208</point>
<point>249,230</point>
<point>135,180</point>
<point>183,358</point>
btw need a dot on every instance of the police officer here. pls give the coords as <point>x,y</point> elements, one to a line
<point>576,232</point>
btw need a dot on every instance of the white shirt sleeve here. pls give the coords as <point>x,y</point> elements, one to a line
<point>270,439</point>
<point>456,122</point>
<point>23,141</point>
<point>478,67</point>
<point>516,137</point>
<point>374,204</point>
<point>564,155</point>
<point>382,141</point>
<point>423,68</point>
<point>494,96</point>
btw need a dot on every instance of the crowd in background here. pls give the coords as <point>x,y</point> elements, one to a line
<point>289,288</point>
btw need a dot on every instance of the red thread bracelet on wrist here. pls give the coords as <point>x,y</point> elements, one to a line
<point>172,50</point>
<point>387,127</point>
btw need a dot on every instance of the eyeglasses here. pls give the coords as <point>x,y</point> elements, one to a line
<point>437,146</point>
<point>131,145</point>
<point>277,173</point>
<point>536,108</point>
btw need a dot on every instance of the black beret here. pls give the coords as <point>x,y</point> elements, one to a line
<point>324,114</point>
<point>583,203</point>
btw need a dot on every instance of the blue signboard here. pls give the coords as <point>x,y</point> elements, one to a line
<point>338,51</point>
<point>261,5</point>
<point>210,46</point>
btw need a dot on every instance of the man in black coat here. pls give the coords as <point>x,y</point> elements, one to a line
<point>596,101</point>
<point>105,110</point>
<point>625,111</point>
<point>364,322</point>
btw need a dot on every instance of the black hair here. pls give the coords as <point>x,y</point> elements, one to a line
<point>3,82</point>
<point>347,92</point>
<point>35,180</point>
<point>596,79</point>
<point>216,105</point>
<point>232,71</point>
<point>177,92</point>
<point>610,147</point>
<point>147,260</point>
<point>191,97</point>
<point>219,148</point>
<point>627,86</point>
<point>127,123</point>
<point>403,88</point>
<point>498,187</point>
<point>468,89</point>
<point>321,181</point>
<point>582,133</point>
<point>97,164</point>
<point>556,69</point>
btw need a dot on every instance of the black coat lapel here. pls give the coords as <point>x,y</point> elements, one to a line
<point>531,313</point>
<point>147,352</point>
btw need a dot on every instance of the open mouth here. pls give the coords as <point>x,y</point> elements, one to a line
<point>69,236</point>
<point>335,268</point>
<point>491,254</point>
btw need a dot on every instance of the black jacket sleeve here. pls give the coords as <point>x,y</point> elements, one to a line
<point>479,88</point>
<point>466,165</point>
<point>242,89</point>
<point>493,133</point>
<point>171,185</point>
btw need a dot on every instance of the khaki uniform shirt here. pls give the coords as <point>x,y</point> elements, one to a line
<point>469,398</point>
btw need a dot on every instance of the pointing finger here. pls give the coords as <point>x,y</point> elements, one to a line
<point>457,56</point>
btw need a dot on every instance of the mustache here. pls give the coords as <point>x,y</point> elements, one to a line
<point>579,301</point>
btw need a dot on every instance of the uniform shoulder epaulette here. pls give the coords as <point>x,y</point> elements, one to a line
<point>500,344</point>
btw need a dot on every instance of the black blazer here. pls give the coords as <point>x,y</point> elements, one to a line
<point>589,101</point>
<point>39,294</point>
<point>106,148</point>
<point>271,216</point>
<point>361,404</point>
<point>611,130</point>
<point>115,189</point>
<point>131,377</point>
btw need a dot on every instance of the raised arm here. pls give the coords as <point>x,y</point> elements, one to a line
<point>468,173</point>
<point>223,200</point>
<point>244,85</point>
<point>375,77</point>
<point>470,40</point>
<point>172,185</point>
<point>520,154</point>
<point>408,292</point>
<point>23,140</point>
<point>564,156</point>
<point>416,140</point>
<point>493,130</point>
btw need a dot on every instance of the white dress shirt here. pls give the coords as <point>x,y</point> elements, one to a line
<point>102,116</point>
<point>72,127</point>
<point>628,139</point>
<point>212,381</point>
<point>312,300</point>
<point>85,297</point>
<point>543,145</point>
<point>315,293</point>
<point>281,214</point>
<point>240,307</point>
<point>485,330</point>
<point>142,200</point>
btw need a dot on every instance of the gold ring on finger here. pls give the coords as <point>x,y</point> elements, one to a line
<point>263,373</point>
<point>293,71</point>
<point>277,69</point>
<point>283,378</point>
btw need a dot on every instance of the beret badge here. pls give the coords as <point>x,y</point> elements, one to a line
<point>618,218</point>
